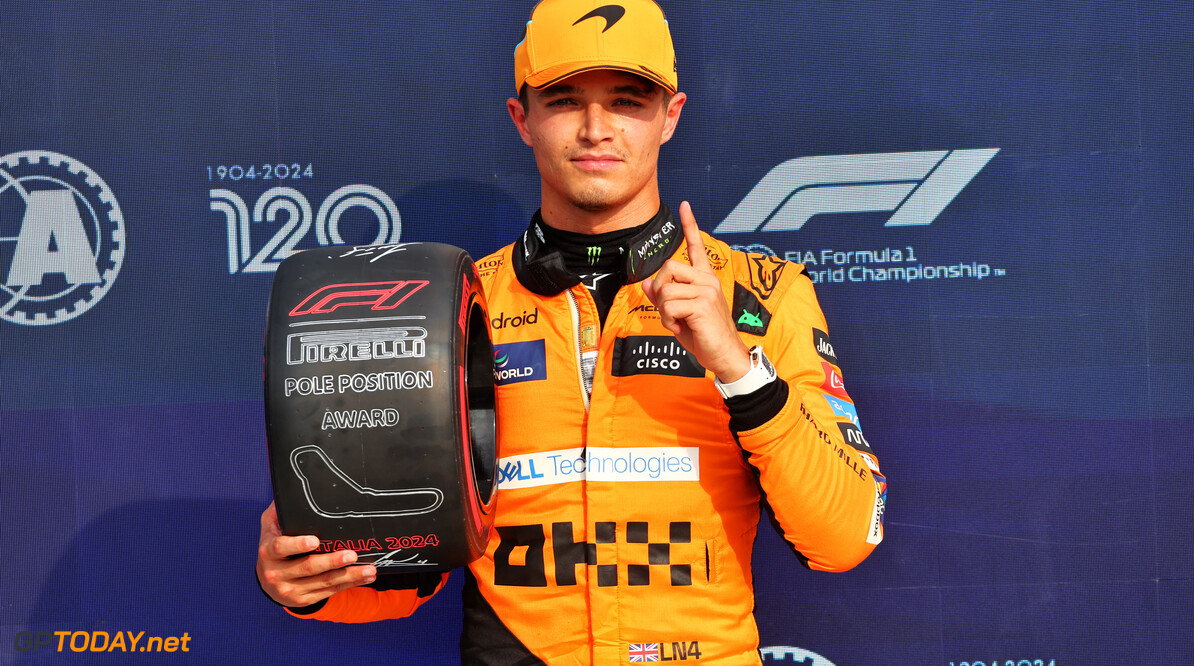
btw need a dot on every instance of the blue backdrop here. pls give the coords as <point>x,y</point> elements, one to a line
<point>996,199</point>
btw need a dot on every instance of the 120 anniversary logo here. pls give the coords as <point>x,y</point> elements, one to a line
<point>264,227</point>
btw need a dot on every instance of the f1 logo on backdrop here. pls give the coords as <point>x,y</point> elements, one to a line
<point>292,210</point>
<point>917,186</point>
<point>62,238</point>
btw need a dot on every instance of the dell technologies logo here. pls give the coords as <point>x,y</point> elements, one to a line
<point>916,186</point>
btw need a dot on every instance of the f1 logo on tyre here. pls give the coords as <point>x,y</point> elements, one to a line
<point>61,238</point>
<point>377,295</point>
<point>917,186</point>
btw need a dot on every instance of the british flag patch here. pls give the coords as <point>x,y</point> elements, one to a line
<point>643,652</point>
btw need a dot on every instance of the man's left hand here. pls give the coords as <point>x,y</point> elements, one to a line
<point>692,307</point>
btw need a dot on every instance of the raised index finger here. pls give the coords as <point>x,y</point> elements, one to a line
<point>692,235</point>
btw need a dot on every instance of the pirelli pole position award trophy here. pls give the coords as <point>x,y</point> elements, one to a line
<point>379,404</point>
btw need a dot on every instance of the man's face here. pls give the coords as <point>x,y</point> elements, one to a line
<point>596,137</point>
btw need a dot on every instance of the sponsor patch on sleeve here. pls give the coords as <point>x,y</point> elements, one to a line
<point>833,381</point>
<point>490,264</point>
<point>875,533</point>
<point>853,437</point>
<point>749,314</point>
<point>869,460</point>
<point>821,342</point>
<point>515,362</point>
<point>843,408</point>
<point>764,273</point>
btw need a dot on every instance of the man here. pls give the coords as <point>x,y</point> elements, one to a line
<point>679,383</point>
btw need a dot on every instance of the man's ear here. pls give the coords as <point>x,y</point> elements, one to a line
<point>674,106</point>
<point>519,116</point>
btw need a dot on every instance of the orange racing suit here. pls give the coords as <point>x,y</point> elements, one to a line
<point>629,494</point>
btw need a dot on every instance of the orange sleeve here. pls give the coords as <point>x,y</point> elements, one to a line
<point>365,604</point>
<point>826,494</point>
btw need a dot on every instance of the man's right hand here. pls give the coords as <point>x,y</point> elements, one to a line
<point>297,581</point>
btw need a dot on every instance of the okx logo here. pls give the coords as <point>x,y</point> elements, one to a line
<point>61,238</point>
<point>917,186</point>
<point>643,556</point>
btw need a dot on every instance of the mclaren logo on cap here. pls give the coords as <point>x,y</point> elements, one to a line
<point>611,13</point>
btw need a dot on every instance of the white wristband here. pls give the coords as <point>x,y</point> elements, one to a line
<point>761,373</point>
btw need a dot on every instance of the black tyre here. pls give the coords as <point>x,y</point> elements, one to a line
<point>379,404</point>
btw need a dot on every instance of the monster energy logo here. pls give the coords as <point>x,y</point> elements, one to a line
<point>594,254</point>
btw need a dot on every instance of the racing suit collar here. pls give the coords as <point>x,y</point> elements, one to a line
<point>540,267</point>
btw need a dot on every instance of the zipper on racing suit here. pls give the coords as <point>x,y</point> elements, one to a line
<point>586,385</point>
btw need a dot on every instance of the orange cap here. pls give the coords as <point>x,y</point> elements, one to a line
<point>565,37</point>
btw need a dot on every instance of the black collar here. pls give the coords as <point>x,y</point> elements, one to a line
<point>540,268</point>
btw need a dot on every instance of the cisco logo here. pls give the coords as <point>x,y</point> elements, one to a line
<point>777,654</point>
<point>62,238</point>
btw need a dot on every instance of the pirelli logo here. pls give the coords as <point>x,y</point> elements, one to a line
<point>360,344</point>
